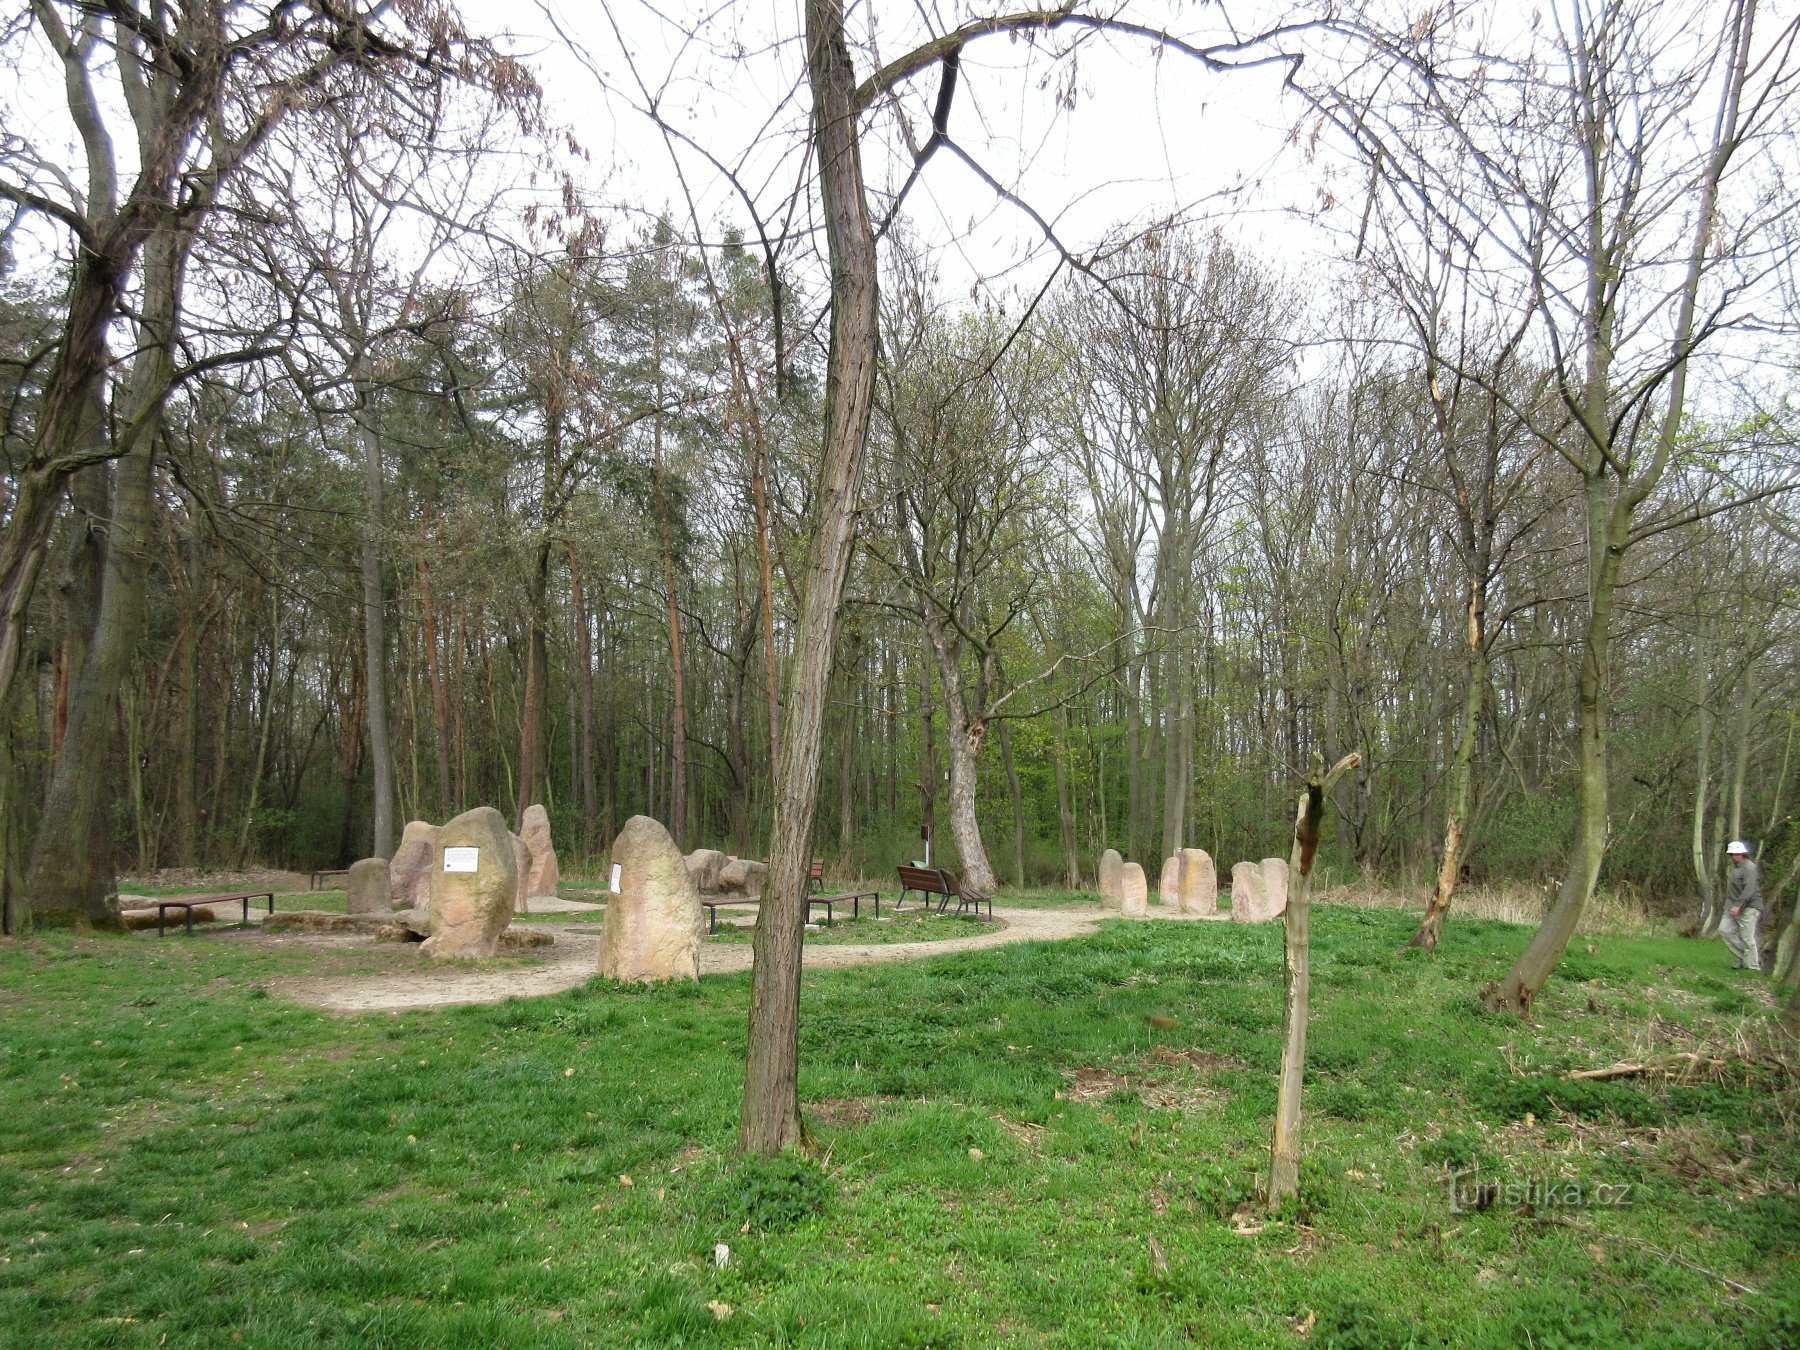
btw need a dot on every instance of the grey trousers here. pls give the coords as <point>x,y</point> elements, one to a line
<point>1740,935</point>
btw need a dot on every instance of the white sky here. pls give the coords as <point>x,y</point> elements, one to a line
<point>1149,134</point>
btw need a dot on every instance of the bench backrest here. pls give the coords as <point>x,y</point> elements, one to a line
<point>931,880</point>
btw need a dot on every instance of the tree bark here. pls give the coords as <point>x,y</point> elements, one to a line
<point>1462,772</point>
<point>584,654</point>
<point>1284,1150</point>
<point>374,603</point>
<point>770,1120</point>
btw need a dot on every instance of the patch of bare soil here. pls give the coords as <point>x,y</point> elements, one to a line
<point>1172,1080</point>
<point>842,1110</point>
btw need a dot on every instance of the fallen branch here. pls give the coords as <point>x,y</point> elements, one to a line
<point>1679,1064</point>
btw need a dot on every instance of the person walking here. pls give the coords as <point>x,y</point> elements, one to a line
<point>1743,907</point>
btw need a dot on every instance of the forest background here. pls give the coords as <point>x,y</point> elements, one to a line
<point>417,471</point>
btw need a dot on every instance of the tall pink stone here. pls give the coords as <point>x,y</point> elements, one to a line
<point>534,829</point>
<point>652,926</point>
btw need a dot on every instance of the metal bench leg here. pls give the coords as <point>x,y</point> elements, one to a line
<point>160,913</point>
<point>190,921</point>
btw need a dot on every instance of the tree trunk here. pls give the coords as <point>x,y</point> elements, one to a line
<point>1608,527</point>
<point>1065,816</point>
<point>1708,922</point>
<point>1462,775</point>
<point>770,1120</point>
<point>439,703</point>
<point>375,702</point>
<point>584,654</point>
<point>1284,1151</point>
<point>965,732</point>
<point>1018,806</point>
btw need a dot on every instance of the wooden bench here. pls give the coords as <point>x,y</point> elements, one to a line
<point>941,881</point>
<point>320,874</point>
<point>193,902</point>
<point>815,874</point>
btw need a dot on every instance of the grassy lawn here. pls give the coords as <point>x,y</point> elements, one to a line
<point>1014,1153</point>
<point>909,925</point>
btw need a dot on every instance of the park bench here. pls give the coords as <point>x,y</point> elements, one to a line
<point>941,881</point>
<point>192,902</point>
<point>319,875</point>
<point>815,874</point>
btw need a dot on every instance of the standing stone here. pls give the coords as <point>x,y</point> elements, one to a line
<point>409,871</point>
<point>469,910</point>
<point>522,873</point>
<point>1199,883</point>
<point>704,865</point>
<point>1249,894</point>
<point>366,887</point>
<point>652,926</point>
<point>1168,887</point>
<point>1134,892</point>
<point>534,829</point>
<point>1112,871</point>
<point>1275,882</point>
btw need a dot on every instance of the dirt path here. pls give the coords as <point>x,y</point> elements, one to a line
<point>576,955</point>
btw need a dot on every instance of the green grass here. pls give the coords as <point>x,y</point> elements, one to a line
<point>186,1155</point>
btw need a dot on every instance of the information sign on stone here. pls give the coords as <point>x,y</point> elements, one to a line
<point>617,868</point>
<point>461,859</point>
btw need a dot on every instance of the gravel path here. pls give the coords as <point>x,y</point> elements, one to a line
<point>576,955</point>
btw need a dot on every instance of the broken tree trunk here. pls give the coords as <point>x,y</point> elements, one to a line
<point>1284,1154</point>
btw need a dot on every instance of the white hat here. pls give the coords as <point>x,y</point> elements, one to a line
<point>1737,846</point>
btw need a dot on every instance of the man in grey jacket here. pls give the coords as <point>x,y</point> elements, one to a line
<point>1743,907</point>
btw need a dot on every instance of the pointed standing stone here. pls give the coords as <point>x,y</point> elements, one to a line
<point>652,926</point>
<point>1199,883</point>
<point>534,829</point>
<point>471,908</point>
<point>409,871</point>
<point>1112,868</point>
<point>1134,892</point>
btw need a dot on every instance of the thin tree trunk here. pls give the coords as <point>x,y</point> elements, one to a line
<point>1284,1151</point>
<point>262,736</point>
<point>375,702</point>
<point>1018,806</point>
<point>1462,772</point>
<point>1065,816</point>
<point>584,684</point>
<point>1708,921</point>
<point>770,1120</point>
<point>440,710</point>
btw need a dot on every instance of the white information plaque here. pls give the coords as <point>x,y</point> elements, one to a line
<point>461,859</point>
<point>617,869</point>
